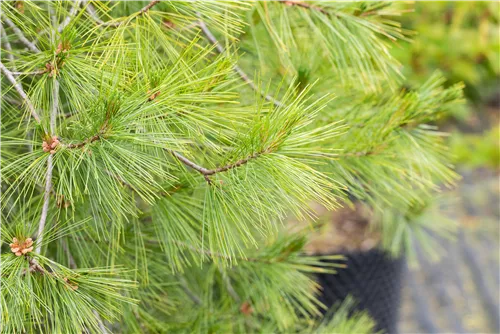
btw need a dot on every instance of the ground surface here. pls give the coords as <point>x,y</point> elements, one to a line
<point>460,293</point>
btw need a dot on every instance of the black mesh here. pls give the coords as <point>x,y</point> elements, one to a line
<point>374,279</point>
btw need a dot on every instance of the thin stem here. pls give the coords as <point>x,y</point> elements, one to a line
<point>208,34</point>
<point>190,294</point>
<point>92,13</point>
<point>6,44</point>
<point>29,73</point>
<point>72,263</point>
<point>217,254</point>
<point>207,172</point>
<point>55,107</point>
<point>148,7</point>
<point>21,36</point>
<point>100,323</point>
<point>20,91</point>
<point>48,175</point>
<point>68,18</point>
<point>229,286</point>
<point>304,5</point>
<point>45,207</point>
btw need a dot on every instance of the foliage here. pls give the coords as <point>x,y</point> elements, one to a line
<point>135,144</point>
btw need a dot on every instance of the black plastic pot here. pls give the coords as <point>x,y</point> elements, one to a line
<point>374,279</point>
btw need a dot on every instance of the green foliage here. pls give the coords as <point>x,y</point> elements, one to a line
<point>134,147</point>
<point>477,150</point>
<point>459,38</point>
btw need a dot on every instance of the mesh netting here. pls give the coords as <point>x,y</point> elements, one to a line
<point>374,279</point>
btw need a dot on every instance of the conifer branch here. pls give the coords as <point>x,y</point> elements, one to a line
<point>148,7</point>
<point>207,172</point>
<point>188,292</point>
<point>303,4</point>
<point>31,46</point>
<point>48,175</point>
<point>20,91</point>
<point>29,73</point>
<point>229,286</point>
<point>71,13</point>
<point>45,206</point>
<point>86,141</point>
<point>208,34</point>
<point>92,13</point>
<point>6,44</point>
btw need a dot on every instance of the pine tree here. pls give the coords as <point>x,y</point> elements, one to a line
<point>152,151</point>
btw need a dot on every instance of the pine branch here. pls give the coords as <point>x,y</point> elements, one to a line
<point>148,7</point>
<point>39,72</point>
<point>20,91</point>
<point>207,172</point>
<point>190,293</point>
<point>229,287</point>
<point>46,201</point>
<point>208,34</point>
<point>304,5</point>
<point>92,13</point>
<point>48,175</point>
<point>21,36</point>
<point>68,18</point>
<point>6,44</point>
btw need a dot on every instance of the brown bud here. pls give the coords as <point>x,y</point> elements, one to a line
<point>246,308</point>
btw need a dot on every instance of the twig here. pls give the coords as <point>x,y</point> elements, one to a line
<point>92,13</point>
<point>20,91</point>
<point>68,18</point>
<point>100,323</point>
<point>207,172</point>
<point>45,207</point>
<point>148,7</point>
<point>208,34</point>
<point>55,107</point>
<point>72,263</point>
<point>6,44</point>
<point>229,286</point>
<point>48,175</point>
<point>89,140</point>
<point>190,293</point>
<point>217,254</point>
<point>304,5</point>
<point>20,35</point>
<point>29,73</point>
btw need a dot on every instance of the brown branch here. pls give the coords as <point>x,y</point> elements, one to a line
<point>208,34</point>
<point>148,7</point>
<point>89,140</point>
<point>207,172</point>
<point>305,5</point>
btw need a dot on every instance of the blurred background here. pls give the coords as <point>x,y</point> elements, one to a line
<point>460,292</point>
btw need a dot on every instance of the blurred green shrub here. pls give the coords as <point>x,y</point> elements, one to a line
<point>477,150</point>
<point>459,38</point>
